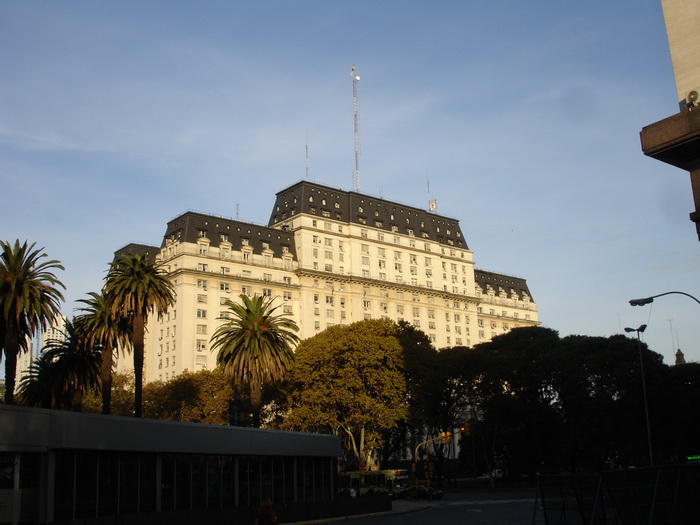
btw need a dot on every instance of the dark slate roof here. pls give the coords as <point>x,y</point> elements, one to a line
<point>501,283</point>
<point>137,249</point>
<point>352,207</point>
<point>192,226</point>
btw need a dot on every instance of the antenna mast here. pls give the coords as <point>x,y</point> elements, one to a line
<point>355,78</point>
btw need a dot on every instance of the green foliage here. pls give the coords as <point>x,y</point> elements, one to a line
<point>349,380</point>
<point>30,298</point>
<point>63,374</point>
<point>122,398</point>
<point>135,287</point>
<point>201,397</point>
<point>103,329</point>
<point>254,346</point>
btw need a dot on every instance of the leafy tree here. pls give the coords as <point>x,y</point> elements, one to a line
<point>197,397</point>
<point>122,398</point>
<point>29,299</point>
<point>349,380</point>
<point>254,346</point>
<point>519,424</point>
<point>135,287</point>
<point>104,329</point>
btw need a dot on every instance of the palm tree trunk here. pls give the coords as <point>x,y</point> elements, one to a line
<point>256,401</point>
<point>137,341</point>
<point>11,345</point>
<point>77,400</point>
<point>106,376</point>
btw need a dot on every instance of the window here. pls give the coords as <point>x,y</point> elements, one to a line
<point>246,290</point>
<point>202,249</point>
<point>287,309</point>
<point>201,298</point>
<point>399,309</point>
<point>366,305</point>
<point>416,312</point>
<point>365,260</point>
<point>287,296</point>
<point>201,345</point>
<point>364,248</point>
<point>267,292</point>
<point>201,314</point>
<point>202,329</point>
<point>329,299</point>
<point>225,270</point>
<point>398,267</point>
<point>365,274</point>
<point>267,277</point>
<point>202,283</point>
<point>225,287</point>
<point>247,273</point>
<point>202,267</point>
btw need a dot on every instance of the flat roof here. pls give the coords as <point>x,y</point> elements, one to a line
<point>41,430</point>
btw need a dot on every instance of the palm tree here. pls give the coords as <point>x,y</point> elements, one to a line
<point>74,368</point>
<point>29,298</point>
<point>102,328</point>
<point>135,286</point>
<point>35,387</point>
<point>255,346</point>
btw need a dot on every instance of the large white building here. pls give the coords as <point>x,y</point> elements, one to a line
<point>328,256</point>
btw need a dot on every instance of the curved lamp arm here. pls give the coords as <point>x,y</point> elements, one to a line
<point>647,300</point>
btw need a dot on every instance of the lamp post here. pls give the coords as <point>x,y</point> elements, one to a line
<point>647,300</point>
<point>644,387</point>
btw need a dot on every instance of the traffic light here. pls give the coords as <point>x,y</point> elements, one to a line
<point>445,437</point>
<point>465,429</point>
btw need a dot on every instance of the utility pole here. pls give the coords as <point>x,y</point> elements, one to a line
<point>355,79</point>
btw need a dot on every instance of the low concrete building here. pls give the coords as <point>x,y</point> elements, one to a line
<point>58,466</point>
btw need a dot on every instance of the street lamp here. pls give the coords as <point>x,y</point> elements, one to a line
<point>644,385</point>
<point>647,300</point>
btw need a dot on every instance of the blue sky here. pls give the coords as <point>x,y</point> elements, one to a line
<point>523,117</point>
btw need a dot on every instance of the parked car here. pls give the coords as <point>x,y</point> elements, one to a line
<point>420,492</point>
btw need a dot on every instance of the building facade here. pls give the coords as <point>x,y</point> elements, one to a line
<point>328,257</point>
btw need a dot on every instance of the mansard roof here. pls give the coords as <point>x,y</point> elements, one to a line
<point>137,249</point>
<point>352,207</point>
<point>194,227</point>
<point>513,287</point>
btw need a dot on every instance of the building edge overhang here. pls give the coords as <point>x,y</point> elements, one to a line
<point>674,140</point>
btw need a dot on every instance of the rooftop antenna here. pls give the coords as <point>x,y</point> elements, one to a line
<point>432,203</point>
<point>355,78</point>
<point>307,162</point>
<point>236,211</point>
